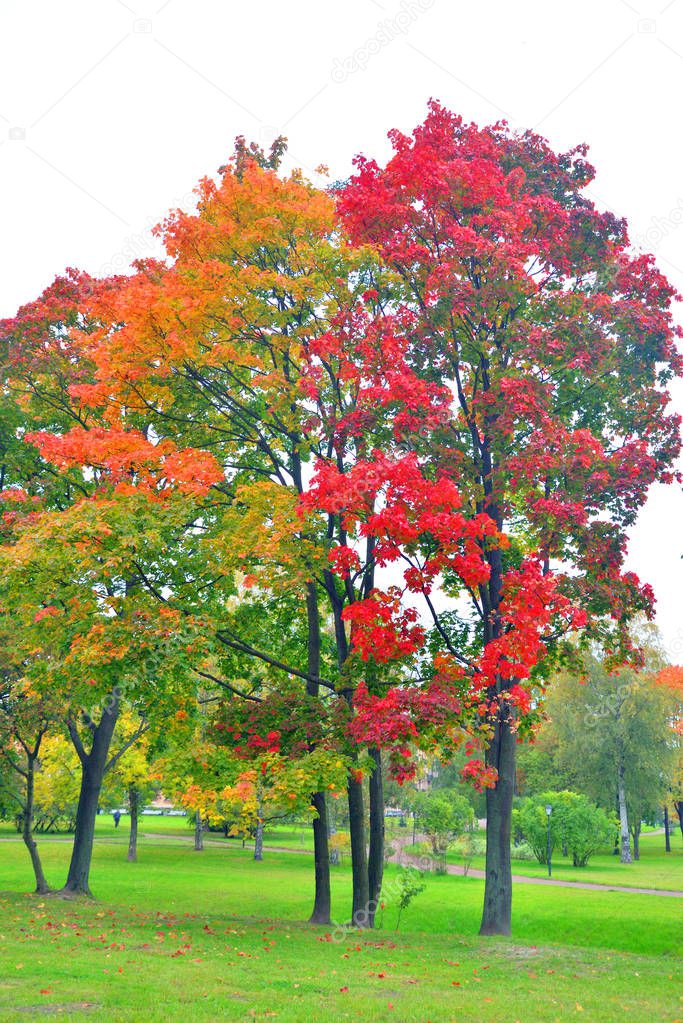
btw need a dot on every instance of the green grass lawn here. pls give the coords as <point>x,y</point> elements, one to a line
<point>203,936</point>
<point>286,835</point>
<point>655,869</point>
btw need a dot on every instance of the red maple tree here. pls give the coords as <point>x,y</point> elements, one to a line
<point>517,306</point>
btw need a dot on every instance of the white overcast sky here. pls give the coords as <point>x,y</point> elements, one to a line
<point>110,111</point>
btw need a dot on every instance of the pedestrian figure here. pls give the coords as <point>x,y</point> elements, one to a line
<point>117,817</point>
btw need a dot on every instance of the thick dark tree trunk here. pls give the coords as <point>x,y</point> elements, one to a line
<point>354,788</point>
<point>27,829</point>
<point>198,833</point>
<point>93,765</point>
<point>322,903</point>
<point>376,850</point>
<point>133,840</point>
<point>679,811</point>
<point>501,752</point>
<point>359,856</point>
<point>78,878</point>
<point>667,832</point>
<point>497,915</point>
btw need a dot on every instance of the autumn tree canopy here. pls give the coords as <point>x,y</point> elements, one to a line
<point>411,418</point>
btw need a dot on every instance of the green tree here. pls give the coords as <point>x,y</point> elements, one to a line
<point>410,885</point>
<point>75,549</point>
<point>575,824</point>
<point>24,721</point>
<point>130,779</point>
<point>587,829</point>
<point>537,766</point>
<point>613,734</point>
<point>443,815</point>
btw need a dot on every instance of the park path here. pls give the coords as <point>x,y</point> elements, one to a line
<point>402,856</point>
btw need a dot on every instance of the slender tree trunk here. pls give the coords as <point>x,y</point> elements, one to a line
<point>359,856</point>
<point>636,839</point>
<point>679,811</point>
<point>258,842</point>
<point>615,850</point>
<point>667,833</point>
<point>497,915</point>
<point>133,840</point>
<point>331,831</point>
<point>93,765</point>
<point>322,903</point>
<point>623,815</point>
<point>198,833</point>
<point>376,850</point>
<point>27,828</point>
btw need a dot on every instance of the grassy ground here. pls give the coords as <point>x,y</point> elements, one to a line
<point>655,869</point>
<point>188,936</point>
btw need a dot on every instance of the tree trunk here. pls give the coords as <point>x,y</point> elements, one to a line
<point>501,752</point>
<point>93,765</point>
<point>615,850</point>
<point>198,833</point>
<point>133,840</point>
<point>623,815</point>
<point>258,843</point>
<point>667,833</point>
<point>679,811</point>
<point>322,903</point>
<point>354,788</point>
<point>376,851</point>
<point>497,915</point>
<point>332,830</point>
<point>27,829</point>
<point>636,839</point>
<point>359,857</point>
